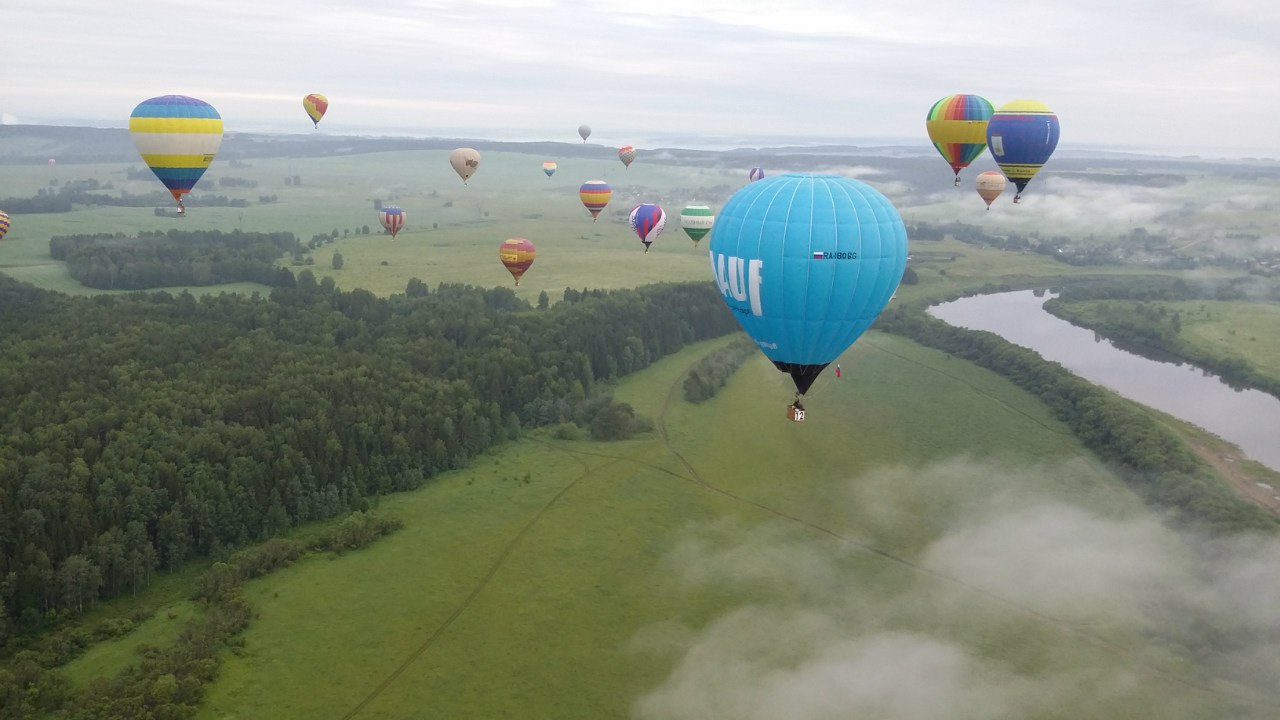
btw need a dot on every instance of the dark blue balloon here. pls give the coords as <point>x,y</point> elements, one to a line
<point>806,263</point>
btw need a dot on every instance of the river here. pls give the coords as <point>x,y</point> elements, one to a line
<point>1249,419</point>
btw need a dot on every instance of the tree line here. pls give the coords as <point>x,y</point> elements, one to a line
<point>142,430</point>
<point>1143,326</point>
<point>156,259</point>
<point>1149,458</point>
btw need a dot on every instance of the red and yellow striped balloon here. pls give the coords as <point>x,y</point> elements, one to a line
<point>517,255</point>
<point>4,224</point>
<point>316,106</point>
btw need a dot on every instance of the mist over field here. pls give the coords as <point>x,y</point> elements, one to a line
<point>1139,613</point>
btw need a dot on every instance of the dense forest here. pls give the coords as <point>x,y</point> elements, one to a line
<point>158,259</point>
<point>1154,462</point>
<point>141,430</point>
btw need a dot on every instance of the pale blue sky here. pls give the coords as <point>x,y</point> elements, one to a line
<point>1167,74</point>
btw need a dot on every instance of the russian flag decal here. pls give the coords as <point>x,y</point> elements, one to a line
<point>819,256</point>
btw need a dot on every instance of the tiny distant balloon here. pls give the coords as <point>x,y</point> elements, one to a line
<point>392,218</point>
<point>464,162</point>
<point>626,154</point>
<point>584,131</point>
<point>549,167</point>
<point>595,195</point>
<point>517,255</point>
<point>52,162</point>
<point>316,105</point>
<point>757,173</point>
<point>177,137</point>
<point>4,224</point>
<point>957,127</point>
<point>990,184</point>
<point>697,221</point>
<point>1022,135</point>
<point>648,220</point>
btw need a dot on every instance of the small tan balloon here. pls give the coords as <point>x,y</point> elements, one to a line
<point>464,162</point>
<point>990,185</point>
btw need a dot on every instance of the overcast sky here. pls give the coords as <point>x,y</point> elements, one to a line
<point>1161,74</point>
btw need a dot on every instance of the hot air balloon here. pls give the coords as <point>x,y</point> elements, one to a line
<point>595,195</point>
<point>957,126</point>
<point>52,162</point>
<point>697,221</point>
<point>464,162</point>
<point>4,224</point>
<point>177,137</point>
<point>626,154</point>
<point>315,104</point>
<point>392,218</point>
<point>584,131</point>
<point>806,263</point>
<point>549,167</point>
<point>517,254</point>
<point>756,173</point>
<point>648,220</point>
<point>990,185</point>
<point>1022,135</point>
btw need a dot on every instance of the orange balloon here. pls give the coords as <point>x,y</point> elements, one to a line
<point>990,185</point>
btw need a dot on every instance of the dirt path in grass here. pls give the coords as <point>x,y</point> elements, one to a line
<point>1251,480</point>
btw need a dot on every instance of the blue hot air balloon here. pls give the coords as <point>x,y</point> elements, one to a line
<point>806,263</point>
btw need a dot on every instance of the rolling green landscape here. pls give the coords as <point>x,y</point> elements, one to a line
<point>934,541</point>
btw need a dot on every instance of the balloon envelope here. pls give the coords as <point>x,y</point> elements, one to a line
<point>990,184</point>
<point>4,224</point>
<point>464,162</point>
<point>177,137</point>
<point>584,131</point>
<point>549,167</point>
<point>626,154</point>
<point>517,255</point>
<point>316,105</point>
<point>1022,135</point>
<point>648,221</point>
<point>756,173</point>
<point>392,218</point>
<point>595,195</point>
<point>697,221</point>
<point>806,263</point>
<point>957,127</point>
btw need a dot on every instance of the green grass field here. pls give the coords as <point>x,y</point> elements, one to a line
<point>575,594</point>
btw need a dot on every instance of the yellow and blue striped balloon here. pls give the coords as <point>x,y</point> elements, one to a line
<point>177,137</point>
<point>4,224</point>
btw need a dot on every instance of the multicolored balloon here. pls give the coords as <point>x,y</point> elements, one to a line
<point>549,167</point>
<point>697,221</point>
<point>806,263</point>
<point>595,195</point>
<point>177,137</point>
<point>990,184</point>
<point>4,224</point>
<point>1022,135</point>
<point>316,105</point>
<point>648,221</point>
<point>626,154</point>
<point>517,255</point>
<point>392,218</point>
<point>584,131</point>
<point>957,126</point>
<point>465,161</point>
<point>756,173</point>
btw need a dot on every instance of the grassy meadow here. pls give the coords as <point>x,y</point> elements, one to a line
<point>577,579</point>
<point>677,573</point>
